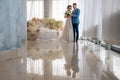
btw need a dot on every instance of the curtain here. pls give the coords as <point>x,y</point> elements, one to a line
<point>92,18</point>
<point>12,23</point>
<point>35,8</point>
<point>111,21</point>
<point>58,9</point>
<point>101,20</point>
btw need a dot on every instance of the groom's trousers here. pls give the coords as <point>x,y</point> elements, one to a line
<point>76,31</point>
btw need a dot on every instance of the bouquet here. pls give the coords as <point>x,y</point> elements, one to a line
<point>67,13</point>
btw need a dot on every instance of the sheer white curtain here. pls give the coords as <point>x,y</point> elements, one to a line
<point>12,23</point>
<point>35,8</point>
<point>92,18</point>
<point>101,20</point>
<point>58,9</point>
<point>111,21</point>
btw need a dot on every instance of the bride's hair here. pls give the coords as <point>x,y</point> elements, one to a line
<point>69,6</point>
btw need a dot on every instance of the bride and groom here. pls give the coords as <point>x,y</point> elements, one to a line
<point>71,30</point>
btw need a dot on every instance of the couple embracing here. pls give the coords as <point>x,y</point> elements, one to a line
<point>71,30</point>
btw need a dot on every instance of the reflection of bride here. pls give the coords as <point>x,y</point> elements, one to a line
<point>67,52</point>
<point>68,29</point>
<point>70,52</point>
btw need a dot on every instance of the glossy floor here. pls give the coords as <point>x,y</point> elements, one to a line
<point>58,60</point>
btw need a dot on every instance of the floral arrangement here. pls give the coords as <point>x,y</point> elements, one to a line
<point>52,23</point>
<point>47,54</point>
<point>32,32</point>
<point>32,24</point>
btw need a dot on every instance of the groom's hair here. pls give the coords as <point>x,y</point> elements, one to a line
<point>74,4</point>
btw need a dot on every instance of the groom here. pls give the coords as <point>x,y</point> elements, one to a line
<point>75,22</point>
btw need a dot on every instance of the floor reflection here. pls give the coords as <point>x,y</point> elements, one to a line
<point>57,60</point>
<point>14,67</point>
<point>71,66</point>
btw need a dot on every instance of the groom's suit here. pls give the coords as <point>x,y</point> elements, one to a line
<point>75,22</point>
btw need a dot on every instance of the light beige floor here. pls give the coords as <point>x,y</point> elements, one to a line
<point>57,60</point>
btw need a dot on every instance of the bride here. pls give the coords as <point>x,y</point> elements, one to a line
<point>67,34</point>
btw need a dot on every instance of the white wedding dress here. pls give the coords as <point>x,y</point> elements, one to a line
<point>67,34</point>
